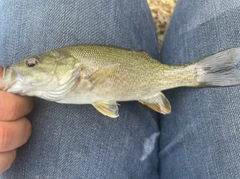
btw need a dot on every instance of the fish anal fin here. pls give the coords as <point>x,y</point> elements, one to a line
<point>107,108</point>
<point>158,103</point>
<point>102,73</point>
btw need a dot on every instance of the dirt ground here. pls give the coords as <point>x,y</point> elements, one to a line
<point>161,11</point>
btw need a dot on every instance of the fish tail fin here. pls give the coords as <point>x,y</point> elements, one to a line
<point>220,69</point>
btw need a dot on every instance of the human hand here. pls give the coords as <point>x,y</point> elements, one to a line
<point>15,129</point>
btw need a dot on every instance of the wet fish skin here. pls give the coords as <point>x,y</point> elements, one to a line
<point>102,75</point>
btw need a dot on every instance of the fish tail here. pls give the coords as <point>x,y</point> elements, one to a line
<point>220,69</point>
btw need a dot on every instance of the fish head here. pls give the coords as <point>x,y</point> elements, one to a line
<point>49,76</point>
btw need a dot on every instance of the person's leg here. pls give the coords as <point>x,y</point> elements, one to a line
<point>76,141</point>
<point>201,137</point>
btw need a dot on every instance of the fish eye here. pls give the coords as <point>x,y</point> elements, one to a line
<point>32,61</point>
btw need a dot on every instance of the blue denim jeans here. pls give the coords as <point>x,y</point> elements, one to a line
<point>199,139</point>
<point>76,141</point>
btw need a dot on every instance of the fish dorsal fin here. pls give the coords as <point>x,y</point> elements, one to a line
<point>102,73</point>
<point>158,103</point>
<point>107,108</point>
<point>139,51</point>
<point>143,52</point>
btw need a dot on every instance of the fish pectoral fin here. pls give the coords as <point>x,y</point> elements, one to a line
<point>158,103</point>
<point>102,73</point>
<point>107,108</point>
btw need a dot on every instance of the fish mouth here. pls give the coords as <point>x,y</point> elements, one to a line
<point>6,71</point>
<point>2,84</point>
<point>10,77</point>
<point>7,77</point>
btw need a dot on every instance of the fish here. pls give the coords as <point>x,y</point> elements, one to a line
<point>103,75</point>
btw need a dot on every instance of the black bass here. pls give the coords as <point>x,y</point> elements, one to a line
<point>102,75</point>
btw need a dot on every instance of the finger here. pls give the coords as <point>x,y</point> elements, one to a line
<point>13,106</point>
<point>6,160</point>
<point>14,134</point>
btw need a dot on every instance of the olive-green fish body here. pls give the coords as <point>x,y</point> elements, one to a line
<point>101,75</point>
